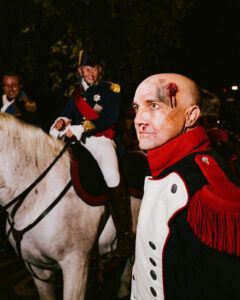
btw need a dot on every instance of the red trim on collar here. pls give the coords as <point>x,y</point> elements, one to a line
<point>195,140</point>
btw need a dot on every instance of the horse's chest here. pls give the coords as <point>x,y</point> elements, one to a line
<point>162,199</point>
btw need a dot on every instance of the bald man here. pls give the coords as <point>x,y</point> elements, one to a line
<point>188,234</point>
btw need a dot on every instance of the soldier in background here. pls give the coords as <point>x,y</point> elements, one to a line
<point>225,144</point>
<point>15,101</point>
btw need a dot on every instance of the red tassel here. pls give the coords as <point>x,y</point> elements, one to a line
<point>214,212</point>
<point>215,227</point>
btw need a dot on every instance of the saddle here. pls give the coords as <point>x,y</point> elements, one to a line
<point>88,180</point>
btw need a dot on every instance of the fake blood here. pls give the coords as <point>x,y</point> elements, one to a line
<point>173,89</point>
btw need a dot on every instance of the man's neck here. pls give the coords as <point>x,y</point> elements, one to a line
<point>5,103</point>
<point>7,99</point>
<point>85,84</point>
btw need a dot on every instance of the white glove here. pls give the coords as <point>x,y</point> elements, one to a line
<point>59,133</point>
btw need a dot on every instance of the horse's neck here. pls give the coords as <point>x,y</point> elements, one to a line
<point>17,179</point>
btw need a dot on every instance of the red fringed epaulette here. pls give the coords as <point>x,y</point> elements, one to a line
<point>214,211</point>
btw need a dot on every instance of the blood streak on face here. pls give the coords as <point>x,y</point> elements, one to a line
<point>173,89</point>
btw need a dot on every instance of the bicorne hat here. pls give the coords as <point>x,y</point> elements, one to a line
<point>87,58</point>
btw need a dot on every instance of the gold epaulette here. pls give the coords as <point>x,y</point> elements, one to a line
<point>71,90</point>
<point>115,87</point>
<point>29,105</point>
<point>88,125</point>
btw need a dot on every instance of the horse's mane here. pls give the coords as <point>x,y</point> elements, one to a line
<point>30,140</point>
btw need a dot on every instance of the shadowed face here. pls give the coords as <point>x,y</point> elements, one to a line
<point>156,121</point>
<point>90,73</point>
<point>11,86</point>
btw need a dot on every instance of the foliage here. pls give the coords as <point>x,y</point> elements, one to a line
<point>131,37</point>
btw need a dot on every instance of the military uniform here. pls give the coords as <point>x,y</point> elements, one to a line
<point>22,107</point>
<point>100,115</point>
<point>188,232</point>
<point>104,99</point>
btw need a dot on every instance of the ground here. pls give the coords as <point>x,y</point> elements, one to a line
<point>16,282</point>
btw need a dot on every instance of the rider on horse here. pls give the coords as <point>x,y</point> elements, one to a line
<point>90,115</point>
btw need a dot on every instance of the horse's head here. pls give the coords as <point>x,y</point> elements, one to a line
<point>25,152</point>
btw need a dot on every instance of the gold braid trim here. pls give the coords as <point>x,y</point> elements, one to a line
<point>115,87</point>
<point>88,125</point>
<point>29,105</point>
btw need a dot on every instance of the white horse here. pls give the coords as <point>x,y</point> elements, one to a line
<point>64,238</point>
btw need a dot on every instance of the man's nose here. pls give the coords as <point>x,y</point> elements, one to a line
<point>10,87</point>
<point>141,116</point>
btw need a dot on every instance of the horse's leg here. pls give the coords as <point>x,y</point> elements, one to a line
<point>125,283</point>
<point>75,273</point>
<point>46,290</point>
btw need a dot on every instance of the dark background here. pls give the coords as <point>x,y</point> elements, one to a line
<point>133,39</point>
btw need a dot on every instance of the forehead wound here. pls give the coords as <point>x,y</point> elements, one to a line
<point>168,92</point>
<point>172,92</point>
<point>158,88</point>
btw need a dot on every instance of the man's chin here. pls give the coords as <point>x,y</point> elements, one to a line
<point>145,146</point>
<point>90,82</point>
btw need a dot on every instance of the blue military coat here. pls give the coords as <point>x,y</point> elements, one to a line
<point>103,97</point>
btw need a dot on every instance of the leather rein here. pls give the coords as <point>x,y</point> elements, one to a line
<point>18,201</point>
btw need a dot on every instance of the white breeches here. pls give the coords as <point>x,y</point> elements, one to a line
<point>103,150</point>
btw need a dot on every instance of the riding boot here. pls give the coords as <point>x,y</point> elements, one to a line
<point>119,206</point>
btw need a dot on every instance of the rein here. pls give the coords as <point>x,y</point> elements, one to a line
<point>24,194</point>
<point>18,234</point>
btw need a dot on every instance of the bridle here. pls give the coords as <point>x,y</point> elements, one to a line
<point>18,201</point>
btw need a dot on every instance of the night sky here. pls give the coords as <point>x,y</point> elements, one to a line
<point>210,51</point>
<point>210,35</point>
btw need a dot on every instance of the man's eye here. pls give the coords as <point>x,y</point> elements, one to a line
<point>135,107</point>
<point>155,105</point>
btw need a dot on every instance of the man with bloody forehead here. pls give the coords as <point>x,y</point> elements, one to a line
<point>188,234</point>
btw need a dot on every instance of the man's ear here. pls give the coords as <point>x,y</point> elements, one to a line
<point>192,115</point>
<point>99,69</point>
<point>79,69</point>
